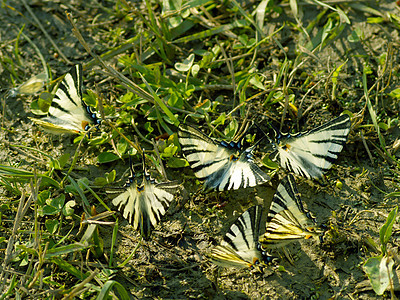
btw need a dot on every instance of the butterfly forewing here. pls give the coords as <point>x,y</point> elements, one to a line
<point>239,247</point>
<point>221,167</point>
<point>144,205</point>
<point>287,219</point>
<point>68,113</point>
<point>312,153</point>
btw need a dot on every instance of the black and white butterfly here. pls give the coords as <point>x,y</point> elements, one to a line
<point>68,113</point>
<point>287,219</point>
<point>240,247</point>
<point>310,154</point>
<point>144,204</point>
<point>222,166</point>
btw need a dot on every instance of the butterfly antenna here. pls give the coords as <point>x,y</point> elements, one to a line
<point>131,167</point>
<point>144,165</point>
<point>277,133</point>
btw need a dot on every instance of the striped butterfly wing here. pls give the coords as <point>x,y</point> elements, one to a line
<point>312,153</point>
<point>68,112</point>
<point>222,166</point>
<point>239,247</point>
<point>31,86</point>
<point>144,205</point>
<point>287,219</point>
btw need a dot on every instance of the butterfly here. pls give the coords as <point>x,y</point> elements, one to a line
<point>312,153</point>
<point>68,112</point>
<point>240,247</point>
<point>144,204</point>
<point>287,219</point>
<point>222,166</point>
<point>31,86</point>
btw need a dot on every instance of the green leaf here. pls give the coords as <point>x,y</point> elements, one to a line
<point>113,285</point>
<point>378,270</point>
<point>68,208</point>
<point>255,80</point>
<point>122,146</point>
<point>58,202</point>
<point>209,32</point>
<point>169,151</point>
<point>51,225</point>
<point>375,20</point>
<point>231,129</point>
<point>106,157</point>
<point>43,196</point>
<point>50,210</point>
<point>220,120</point>
<point>395,93</point>
<point>266,161</point>
<point>63,160</point>
<point>335,74</point>
<point>175,162</point>
<point>62,264</point>
<point>100,181</point>
<point>386,231</point>
<point>175,101</point>
<point>111,176</point>
<point>186,64</point>
<point>195,70</point>
<point>148,127</point>
<point>58,251</point>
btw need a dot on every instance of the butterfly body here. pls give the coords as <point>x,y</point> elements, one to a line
<point>68,112</point>
<point>311,154</point>
<point>222,165</point>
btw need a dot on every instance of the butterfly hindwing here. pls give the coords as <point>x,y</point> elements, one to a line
<point>144,205</point>
<point>68,113</point>
<point>311,154</point>
<point>287,219</point>
<point>222,166</point>
<point>239,247</point>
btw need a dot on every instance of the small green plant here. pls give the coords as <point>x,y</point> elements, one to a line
<point>380,268</point>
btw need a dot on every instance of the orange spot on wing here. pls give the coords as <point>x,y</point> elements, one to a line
<point>84,124</point>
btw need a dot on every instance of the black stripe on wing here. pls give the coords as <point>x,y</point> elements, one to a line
<point>324,144</point>
<point>68,113</point>
<point>243,234</point>
<point>221,165</point>
<point>69,86</point>
<point>151,198</point>
<point>286,192</point>
<point>287,219</point>
<point>240,247</point>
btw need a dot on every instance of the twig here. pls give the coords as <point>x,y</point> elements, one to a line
<point>229,64</point>
<point>11,240</point>
<point>366,148</point>
<point>81,285</point>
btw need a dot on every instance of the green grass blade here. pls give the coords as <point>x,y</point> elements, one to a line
<point>110,285</point>
<point>211,32</point>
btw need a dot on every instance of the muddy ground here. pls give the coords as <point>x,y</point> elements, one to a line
<point>173,264</point>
